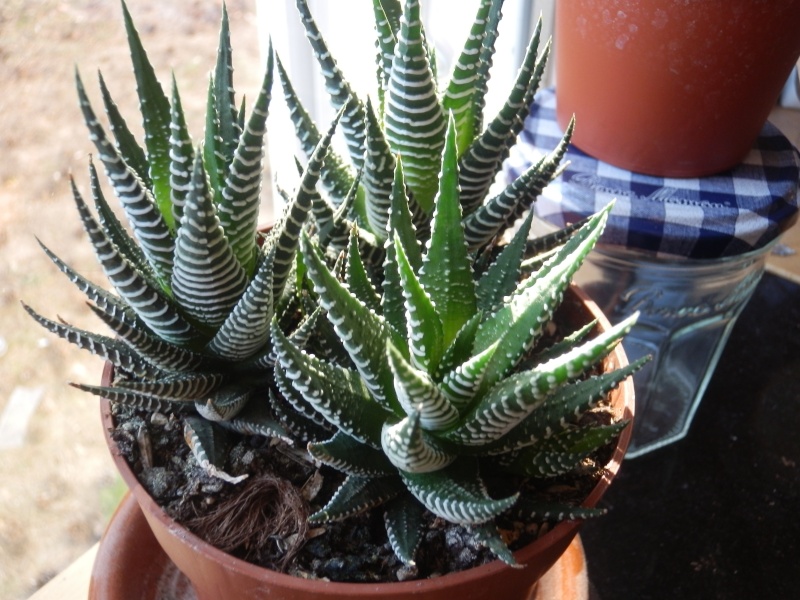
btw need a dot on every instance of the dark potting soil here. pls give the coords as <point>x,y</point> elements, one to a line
<point>263,519</point>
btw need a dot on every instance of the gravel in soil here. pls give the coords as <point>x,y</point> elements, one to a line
<point>264,519</point>
<point>283,489</point>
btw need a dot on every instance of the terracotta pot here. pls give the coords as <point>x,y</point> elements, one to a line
<point>219,576</point>
<point>131,565</point>
<point>677,88</point>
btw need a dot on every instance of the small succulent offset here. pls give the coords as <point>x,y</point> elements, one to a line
<point>443,378</point>
<point>198,286</point>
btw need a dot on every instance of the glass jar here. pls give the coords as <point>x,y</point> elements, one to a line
<point>687,310</point>
<point>686,253</point>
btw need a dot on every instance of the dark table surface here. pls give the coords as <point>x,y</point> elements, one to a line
<point>717,514</point>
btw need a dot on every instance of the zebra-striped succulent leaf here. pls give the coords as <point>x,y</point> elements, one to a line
<point>424,325</point>
<point>336,175</point>
<point>350,456</point>
<point>458,368</point>
<point>155,110</point>
<point>149,225</point>
<point>379,168</point>
<point>159,353</point>
<point>560,410</point>
<point>357,495</point>
<point>344,99</point>
<point>181,154</point>
<point>196,284</point>
<point>482,161</point>
<point>153,306</point>
<point>400,227</point>
<point>357,278</point>
<point>415,122</point>
<point>418,393</point>
<point>403,520</point>
<point>446,272</point>
<point>241,193</point>
<point>246,328</point>
<point>500,278</point>
<point>467,82</point>
<point>462,384</point>
<point>117,233</point>
<point>484,66</point>
<point>106,301</point>
<point>409,447</point>
<point>130,150</point>
<point>209,447</point>
<point>148,402</point>
<point>457,494</point>
<point>207,278</point>
<point>508,403</point>
<point>287,233</point>
<point>364,333</point>
<point>552,512</point>
<point>338,394</point>
<point>107,348</point>
<point>229,129</point>
<point>517,323</point>
<point>188,386</point>
<point>562,452</point>
<point>294,412</point>
<point>387,22</point>
<point>501,211</point>
<point>258,418</point>
<point>227,402</point>
<point>488,535</point>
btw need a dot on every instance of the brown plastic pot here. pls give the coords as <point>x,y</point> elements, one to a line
<point>216,575</point>
<point>677,88</point>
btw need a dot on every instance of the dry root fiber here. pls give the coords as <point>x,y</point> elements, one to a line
<point>267,516</point>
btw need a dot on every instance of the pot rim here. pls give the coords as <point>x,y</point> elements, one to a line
<point>553,537</point>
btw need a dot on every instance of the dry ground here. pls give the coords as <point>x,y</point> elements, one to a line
<point>59,488</point>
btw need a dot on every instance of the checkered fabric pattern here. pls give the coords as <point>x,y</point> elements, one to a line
<point>721,215</point>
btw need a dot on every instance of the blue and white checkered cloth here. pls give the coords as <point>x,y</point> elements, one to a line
<point>722,215</point>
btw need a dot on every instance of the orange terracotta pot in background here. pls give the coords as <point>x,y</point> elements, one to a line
<point>215,575</point>
<point>677,88</point>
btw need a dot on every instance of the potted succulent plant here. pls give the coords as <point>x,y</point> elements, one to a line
<point>382,352</point>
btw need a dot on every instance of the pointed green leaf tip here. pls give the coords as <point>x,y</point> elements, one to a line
<point>404,520</point>
<point>413,118</point>
<point>457,494</point>
<point>462,89</point>
<point>155,111</point>
<point>207,280</point>
<point>229,129</point>
<point>363,333</point>
<point>407,446</point>
<point>416,391</point>
<point>519,322</point>
<point>446,271</point>
<point>424,328</point>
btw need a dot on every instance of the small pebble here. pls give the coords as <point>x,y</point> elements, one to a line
<point>407,572</point>
<point>454,539</point>
<point>466,556</point>
<point>159,419</point>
